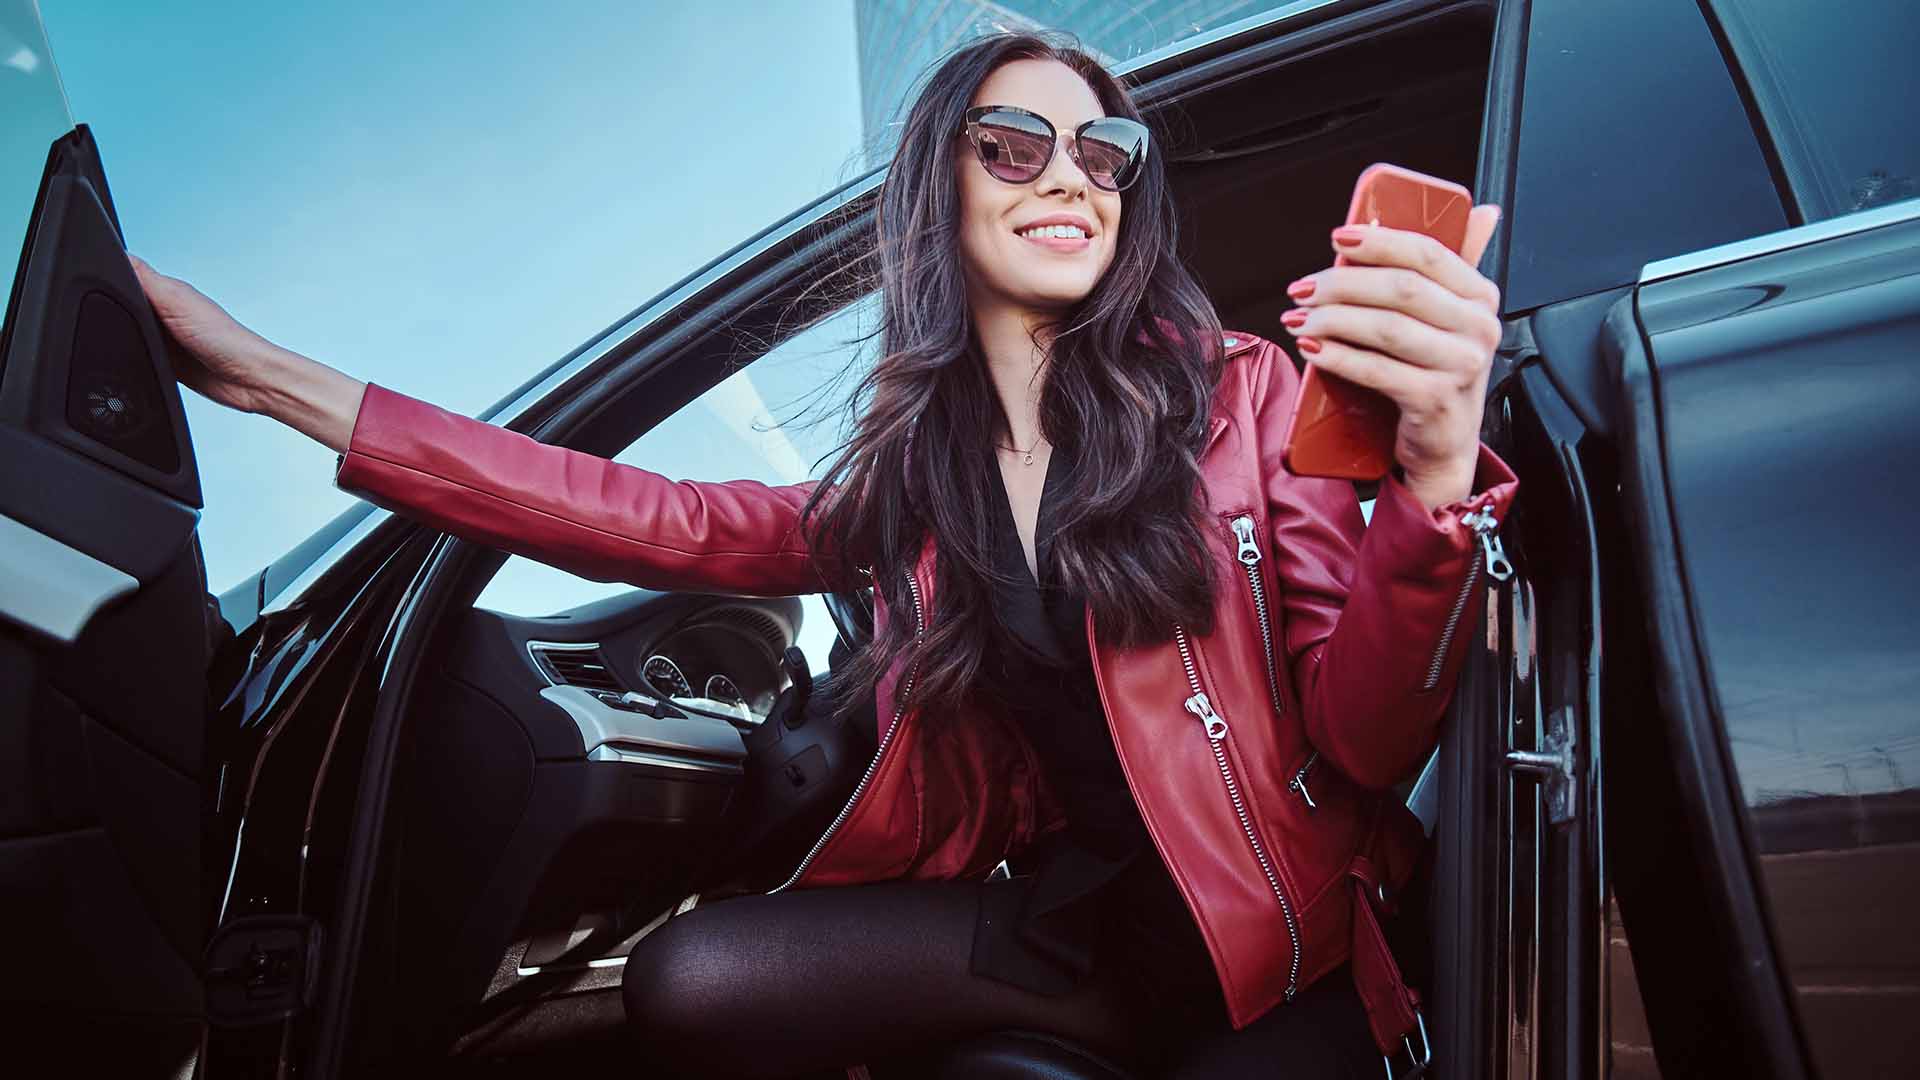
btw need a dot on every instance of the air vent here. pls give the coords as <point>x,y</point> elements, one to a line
<point>567,664</point>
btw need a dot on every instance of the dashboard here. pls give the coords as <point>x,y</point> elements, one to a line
<point>715,665</point>
<point>716,656</point>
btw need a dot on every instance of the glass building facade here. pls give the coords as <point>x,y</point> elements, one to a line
<point>901,40</point>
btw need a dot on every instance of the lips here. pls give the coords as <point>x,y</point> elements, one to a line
<point>1057,232</point>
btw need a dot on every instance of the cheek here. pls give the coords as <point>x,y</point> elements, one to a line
<point>978,218</point>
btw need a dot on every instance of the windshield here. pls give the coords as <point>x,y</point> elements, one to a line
<point>899,40</point>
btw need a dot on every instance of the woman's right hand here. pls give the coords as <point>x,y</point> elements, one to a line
<point>217,357</point>
<point>230,364</point>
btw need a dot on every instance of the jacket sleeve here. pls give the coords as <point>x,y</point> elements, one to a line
<point>584,514</point>
<point>1377,616</point>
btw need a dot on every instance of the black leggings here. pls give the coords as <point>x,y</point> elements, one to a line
<point>815,979</point>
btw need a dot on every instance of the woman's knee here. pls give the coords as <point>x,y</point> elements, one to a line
<point>675,987</point>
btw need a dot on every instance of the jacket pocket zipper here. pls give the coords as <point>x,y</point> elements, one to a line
<point>1298,785</point>
<point>886,738</point>
<point>1216,732</point>
<point>1249,556</point>
<point>1482,523</point>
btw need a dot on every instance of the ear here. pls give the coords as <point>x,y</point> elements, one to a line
<point>1481,221</point>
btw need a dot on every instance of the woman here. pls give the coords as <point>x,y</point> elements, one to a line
<point>1191,782</point>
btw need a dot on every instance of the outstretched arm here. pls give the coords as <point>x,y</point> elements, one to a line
<point>582,513</point>
<point>585,514</point>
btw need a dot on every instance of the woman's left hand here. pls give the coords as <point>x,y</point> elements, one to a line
<point>1418,323</point>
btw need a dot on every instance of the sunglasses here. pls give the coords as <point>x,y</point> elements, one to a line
<point>1016,145</point>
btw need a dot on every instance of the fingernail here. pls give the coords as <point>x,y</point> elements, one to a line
<point>1294,318</point>
<point>1347,236</point>
<point>1301,289</point>
<point>1310,346</point>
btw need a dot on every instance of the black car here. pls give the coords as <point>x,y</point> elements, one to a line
<point>344,820</point>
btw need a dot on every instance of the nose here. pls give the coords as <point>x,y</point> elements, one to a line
<point>1063,175</point>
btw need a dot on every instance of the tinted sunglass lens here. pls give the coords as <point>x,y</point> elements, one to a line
<point>1112,152</point>
<point>1013,147</point>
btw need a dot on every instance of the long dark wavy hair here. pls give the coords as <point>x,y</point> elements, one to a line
<point>1127,386</point>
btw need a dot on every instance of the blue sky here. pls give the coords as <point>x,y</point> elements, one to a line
<point>441,198</point>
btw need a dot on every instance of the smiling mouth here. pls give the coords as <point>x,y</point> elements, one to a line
<point>1056,237</point>
<point>1060,232</point>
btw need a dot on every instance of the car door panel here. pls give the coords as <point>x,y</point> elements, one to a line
<point>1785,393</point>
<point>1768,392</point>
<point>105,636</point>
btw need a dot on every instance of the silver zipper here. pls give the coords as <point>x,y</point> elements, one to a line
<point>1216,729</point>
<point>1249,556</point>
<point>1298,785</point>
<point>886,738</point>
<point>1482,523</point>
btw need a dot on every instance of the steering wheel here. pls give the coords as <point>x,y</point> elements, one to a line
<point>852,614</point>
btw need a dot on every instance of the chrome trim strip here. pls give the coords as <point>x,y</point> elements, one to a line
<point>682,742</point>
<point>662,759</point>
<point>294,589</point>
<point>604,962</point>
<point>52,588</point>
<point>1756,246</point>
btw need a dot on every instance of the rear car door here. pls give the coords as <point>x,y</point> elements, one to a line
<point>1767,392</point>
<point>105,623</point>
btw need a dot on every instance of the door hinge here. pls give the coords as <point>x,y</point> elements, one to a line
<point>1552,766</point>
<point>261,969</point>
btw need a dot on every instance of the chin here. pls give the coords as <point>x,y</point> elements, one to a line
<point>1053,295</point>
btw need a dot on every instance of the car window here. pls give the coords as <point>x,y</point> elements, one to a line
<point>33,113</point>
<point>1633,145</point>
<point>1837,95</point>
<point>777,420</point>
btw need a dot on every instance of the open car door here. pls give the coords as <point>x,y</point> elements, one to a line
<point>105,626</point>
<point>1768,394</point>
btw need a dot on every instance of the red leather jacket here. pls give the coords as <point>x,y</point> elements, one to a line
<point>1259,755</point>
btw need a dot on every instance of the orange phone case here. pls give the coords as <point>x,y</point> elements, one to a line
<point>1338,428</point>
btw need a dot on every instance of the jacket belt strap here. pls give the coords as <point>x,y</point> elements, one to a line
<point>1393,1007</point>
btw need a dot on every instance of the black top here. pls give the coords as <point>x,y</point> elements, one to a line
<point>1097,894</point>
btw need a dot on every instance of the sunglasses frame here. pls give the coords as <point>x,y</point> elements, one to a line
<point>970,124</point>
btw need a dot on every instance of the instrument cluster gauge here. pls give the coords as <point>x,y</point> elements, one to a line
<point>664,676</point>
<point>721,688</point>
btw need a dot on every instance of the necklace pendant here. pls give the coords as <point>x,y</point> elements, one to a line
<point>1028,459</point>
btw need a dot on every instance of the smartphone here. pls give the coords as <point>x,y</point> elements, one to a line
<point>1338,428</point>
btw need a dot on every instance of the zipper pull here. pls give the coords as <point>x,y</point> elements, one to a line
<point>1199,706</point>
<point>1249,552</point>
<point>1483,525</point>
<point>1298,785</point>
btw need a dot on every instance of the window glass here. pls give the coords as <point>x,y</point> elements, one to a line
<point>1633,146</point>
<point>776,420</point>
<point>33,113</point>
<point>1836,88</point>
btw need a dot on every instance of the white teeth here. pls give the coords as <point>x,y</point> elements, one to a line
<point>1056,232</point>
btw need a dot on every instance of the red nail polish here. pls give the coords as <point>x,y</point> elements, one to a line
<point>1294,318</point>
<point>1310,346</point>
<point>1347,236</point>
<point>1300,289</point>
